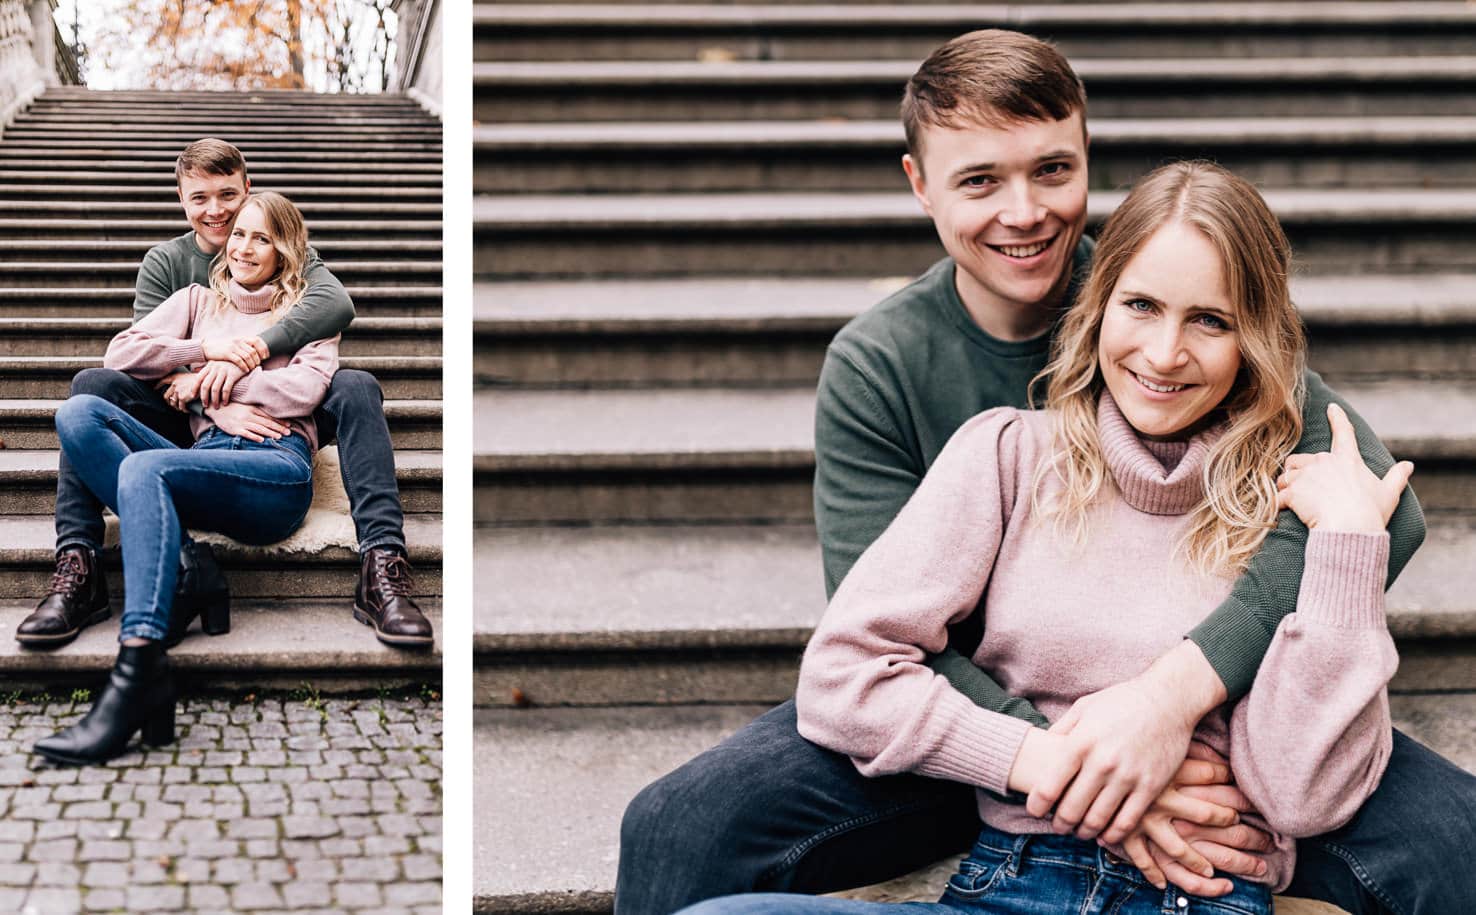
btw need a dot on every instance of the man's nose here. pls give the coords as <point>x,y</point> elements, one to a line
<point>1021,209</point>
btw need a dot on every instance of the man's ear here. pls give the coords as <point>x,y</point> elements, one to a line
<point>914,172</point>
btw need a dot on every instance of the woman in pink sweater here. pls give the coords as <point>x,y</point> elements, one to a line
<point>1173,401</point>
<point>253,484</point>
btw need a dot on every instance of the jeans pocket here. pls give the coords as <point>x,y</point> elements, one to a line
<point>979,873</point>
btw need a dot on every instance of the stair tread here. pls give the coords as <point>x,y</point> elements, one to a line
<point>267,637</point>
<point>705,586</point>
<point>40,463</point>
<point>550,786</point>
<point>882,209</point>
<point>539,428</point>
<point>746,302</point>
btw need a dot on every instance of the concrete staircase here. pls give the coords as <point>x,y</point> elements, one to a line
<point>86,187</point>
<point>679,204</point>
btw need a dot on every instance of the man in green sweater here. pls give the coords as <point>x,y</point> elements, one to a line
<point>997,157</point>
<point>212,185</point>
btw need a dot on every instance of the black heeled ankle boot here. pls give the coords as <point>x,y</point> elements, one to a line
<point>140,695</point>
<point>201,591</point>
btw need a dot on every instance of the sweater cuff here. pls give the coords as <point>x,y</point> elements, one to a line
<point>1343,581</point>
<point>239,390</point>
<point>974,745</point>
<point>185,352</point>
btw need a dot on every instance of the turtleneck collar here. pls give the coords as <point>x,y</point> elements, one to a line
<point>1157,478</point>
<point>252,302</point>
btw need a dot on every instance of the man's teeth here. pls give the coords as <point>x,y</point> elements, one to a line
<point>1160,388</point>
<point>1024,250</point>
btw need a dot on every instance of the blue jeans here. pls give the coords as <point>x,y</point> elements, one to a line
<point>766,810</point>
<point>252,492</point>
<point>353,413</point>
<point>1021,875</point>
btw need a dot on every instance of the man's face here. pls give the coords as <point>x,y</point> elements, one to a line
<point>1009,203</point>
<point>210,202</point>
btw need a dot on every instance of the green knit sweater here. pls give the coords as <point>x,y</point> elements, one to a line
<point>902,377</point>
<point>325,308</point>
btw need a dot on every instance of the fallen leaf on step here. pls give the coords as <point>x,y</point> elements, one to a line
<point>717,55</point>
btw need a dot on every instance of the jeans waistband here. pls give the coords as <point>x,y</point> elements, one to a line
<point>1061,849</point>
<point>217,439</point>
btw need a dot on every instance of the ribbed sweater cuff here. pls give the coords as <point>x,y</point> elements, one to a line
<point>1343,581</point>
<point>241,387</point>
<point>185,352</point>
<point>974,745</point>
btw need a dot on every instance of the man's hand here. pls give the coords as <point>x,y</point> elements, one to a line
<point>1136,733</point>
<point>1193,829</point>
<point>217,380</point>
<point>246,353</point>
<point>179,389</point>
<point>1334,490</point>
<point>248,422</point>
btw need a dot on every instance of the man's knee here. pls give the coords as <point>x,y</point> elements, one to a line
<point>351,389</point>
<point>99,382</point>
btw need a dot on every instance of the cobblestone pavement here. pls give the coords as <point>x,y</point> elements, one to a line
<point>262,804</point>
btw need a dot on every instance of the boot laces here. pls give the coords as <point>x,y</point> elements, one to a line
<point>395,577</point>
<point>69,575</point>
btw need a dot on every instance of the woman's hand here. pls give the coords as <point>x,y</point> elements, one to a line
<point>217,380</point>
<point>179,389</point>
<point>1193,828</point>
<point>248,422</point>
<point>1334,490</point>
<point>246,353</point>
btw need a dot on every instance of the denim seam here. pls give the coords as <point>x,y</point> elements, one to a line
<point>1363,876</point>
<point>805,847</point>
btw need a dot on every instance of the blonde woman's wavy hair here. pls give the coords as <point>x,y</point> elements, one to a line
<point>289,238</point>
<point>1264,406</point>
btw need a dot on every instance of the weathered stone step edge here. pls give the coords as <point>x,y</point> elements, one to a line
<point>272,173</point>
<point>366,328</point>
<point>1265,71</point>
<point>547,834</point>
<point>299,194</point>
<point>760,306</point>
<point>311,209</point>
<point>663,429</point>
<point>103,157</point>
<point>399,366</point>
<point>1143,17</point>
<point>38,466</point>
<point>268,638</point>
<point>752,211</point>
<point>226,99</point>
<point>699,589</point>
<point>1336,132</point>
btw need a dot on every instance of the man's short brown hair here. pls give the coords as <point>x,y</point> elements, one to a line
<point>991,76</point>
<point>210,157</point>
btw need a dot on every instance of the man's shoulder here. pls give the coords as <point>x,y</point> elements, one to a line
<point>175,249</point>
<point>894,327</point>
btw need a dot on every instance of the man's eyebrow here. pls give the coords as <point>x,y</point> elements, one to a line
<point>1063,153</point>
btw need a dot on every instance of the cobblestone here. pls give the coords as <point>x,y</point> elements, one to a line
<point>271,805</point>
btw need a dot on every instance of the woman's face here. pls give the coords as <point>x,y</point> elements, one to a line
<point>1169,350</point>
<point>250,254</point>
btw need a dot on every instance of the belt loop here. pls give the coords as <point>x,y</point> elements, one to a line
<point>1017,854</point>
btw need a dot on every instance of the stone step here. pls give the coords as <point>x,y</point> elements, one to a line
<point>29,423</point>
<point>152,171</point>
<point>273,643</point>
<point>164,154</point>
<point>123,133</point>
<point>134,120</point>
<point>150,197</point>
<point>268,99</point>
<point>146,232</point>
<point>865,89</point>
<point>765,332</point>
<point>50,377</point>
<point>369,336</point>
<point>604,31</point>
<point>345,242</point>
<point>695,156</point>
<point>746,455</point>
<point>549,236</point>
<point>28,481</point>
<point>550,792</point>
<point>423,150</point>
<point>52,277</point>
<point>695,614</point>
<point>314,211</point>
<point>28,557</point>
<point>48,302</point>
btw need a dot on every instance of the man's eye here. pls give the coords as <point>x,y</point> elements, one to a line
<point>1055,169</point>
<point>978,181</point>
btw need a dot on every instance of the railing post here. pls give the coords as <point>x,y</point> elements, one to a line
<point>27,54</point>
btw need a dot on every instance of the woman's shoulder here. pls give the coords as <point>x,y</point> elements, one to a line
<point>1007,430</point>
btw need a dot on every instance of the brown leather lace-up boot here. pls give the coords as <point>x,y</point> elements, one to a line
<point>78,598</point>
<point>383,600</point>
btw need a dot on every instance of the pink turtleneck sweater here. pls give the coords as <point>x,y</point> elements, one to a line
<point>289,388</point>
<point>1062,619</point>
